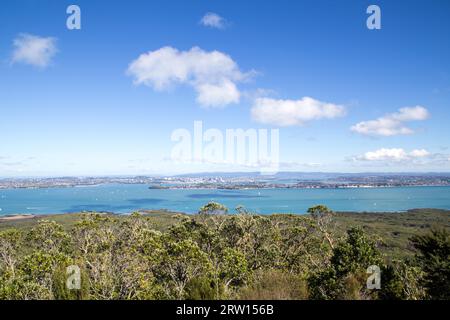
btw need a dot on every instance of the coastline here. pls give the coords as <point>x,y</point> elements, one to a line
<point>15,217</point>
<point>20,216</point>
<point>25,216</point>
<point>268,187</point>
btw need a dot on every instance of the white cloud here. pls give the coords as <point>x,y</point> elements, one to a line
<point>214,75</point>
<point>393,154</point>
<point>213,20</point>
<point>293,112</point>
<point>419,153</point>
<point>219,94</point>
<point>416,113</point>
<point>34,50</point>
<point>392,124</point>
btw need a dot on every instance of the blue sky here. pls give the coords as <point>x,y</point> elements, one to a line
<point>77,108</point>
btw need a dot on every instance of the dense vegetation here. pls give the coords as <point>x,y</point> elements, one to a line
<point>214,255</point>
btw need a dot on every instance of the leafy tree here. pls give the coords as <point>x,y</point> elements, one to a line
<point>323,217</point>
<point>401,281</point>
<point>302,248</point>
<point>10,243</point>
<point>233,269</point>
<point>136,251</point>
<point>213,208</point>
<point>49,236</point>
<point>94,237</point>
<point>433,257</point>
<point>28,273</point>
<point>255,236</point>
<point>358,252</point>
<point>182,261</point>
<point>60,289</point>
<point>119,258</point>
<point>37,272</point>
<point>346,276</point>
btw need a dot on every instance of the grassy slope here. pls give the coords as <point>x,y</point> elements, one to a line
<point>393,228</point>
<point>161,219</point>
<point>396,228</point>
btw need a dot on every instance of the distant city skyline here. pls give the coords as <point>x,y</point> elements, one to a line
<point>106,99</point>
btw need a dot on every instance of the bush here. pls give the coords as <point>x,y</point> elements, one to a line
<point>433,257</point>
<point>346,276</point>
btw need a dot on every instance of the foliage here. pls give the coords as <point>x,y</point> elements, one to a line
<point>213,255</point>
<point>434,258</point>
<point>346,275</point>
<point>213,208</point>
<point>401,281</point>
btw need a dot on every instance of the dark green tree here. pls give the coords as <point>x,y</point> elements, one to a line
<point>213,208</point>
<point>346,276</point>
<point>433,257</point>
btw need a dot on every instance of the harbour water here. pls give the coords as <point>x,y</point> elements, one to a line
<point>126,198</point>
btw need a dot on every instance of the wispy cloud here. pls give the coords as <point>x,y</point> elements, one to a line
<point>213,20</point>
<point>392,124</point>
<point>34,50</point>
<point>294,112</point>
<point>17,164</point>
<point>297,165</point>
<point>213,75</point>
<point>399,157</point>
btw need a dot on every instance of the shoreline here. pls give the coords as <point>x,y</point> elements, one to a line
<point>24,216</point>
<point>15,217</point>
<point>228,189</point>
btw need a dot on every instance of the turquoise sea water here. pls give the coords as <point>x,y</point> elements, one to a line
<point>127,198</point>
